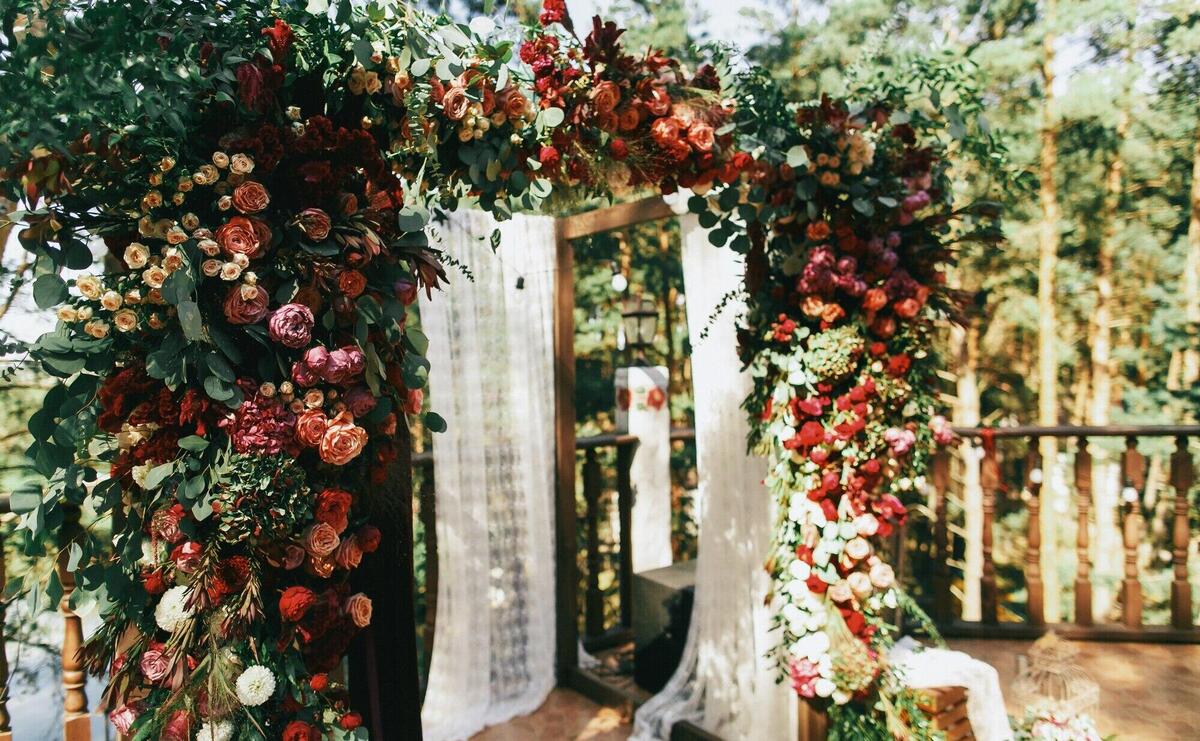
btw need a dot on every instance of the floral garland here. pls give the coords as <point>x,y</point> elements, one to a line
<point>232,390</point>
<point>845,218</point>
<point>233,387</point>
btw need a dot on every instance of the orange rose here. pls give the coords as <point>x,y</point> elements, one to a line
<point>343,440</point>
<point>628,118</point>
<point>358,607</point>
<point>606,96</point>
<point>874,299</point>
<point>660,101</point>
<point>250,197</point>
<point>487,104</point>
<point>665,132</point>
<point>455,103</point>
<point>240,237</point>
<point>310,427</point>
<point>321,540</point>
<point>513,103</point>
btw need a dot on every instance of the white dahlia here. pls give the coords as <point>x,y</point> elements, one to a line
<point>172,609</point>
<point>255,685</point>
<point>222,730</point>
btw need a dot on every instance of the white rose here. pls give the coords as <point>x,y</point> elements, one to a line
<point>882,575</point>
<point>154,276</point>
<point>860,584</point>
<point>858,549</point>
<point>824,687</point>
<point>230,271</point>
<point>866,525</point>
<point>255,685</point>
<point>800,569</point>
<point>209,247</point>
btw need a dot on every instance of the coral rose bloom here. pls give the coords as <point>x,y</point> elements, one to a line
<point>240,237</point>
<point>250,197</point>
<point>343,440</point>
<point>310,427</point>
<point>321,540</point>
<point>513,103</point>
<point>701,137</point>
<point>455,103</point>
<point>606,96</point>
<point>358,607</point>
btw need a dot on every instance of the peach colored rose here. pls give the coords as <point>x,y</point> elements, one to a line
<point>343,440</point>
<point>860,584</point>
<point>310,427</point>
<point>455,103</point>
<point>665,132</point>
<point>487,102</point>
<point>240,237</point>
<point>349,554</point>
<point>606,96</point>
<point>358,607</point>
<point>513,103</point>
<point>660,101</point>
<point>321,540</point>
<point>858,549</point>
<point>250,197</point>
<point>840,592</point>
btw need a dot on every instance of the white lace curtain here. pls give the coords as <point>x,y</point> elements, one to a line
<point>492,379</point>
<point>724,683</point>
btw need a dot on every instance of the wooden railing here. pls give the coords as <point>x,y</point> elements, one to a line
<point>1028,466</point>
<point>77,721</point>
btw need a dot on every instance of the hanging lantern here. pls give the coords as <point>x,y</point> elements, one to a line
<point>639,319</point>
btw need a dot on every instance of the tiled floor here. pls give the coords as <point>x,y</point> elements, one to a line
<point>1147,693</point>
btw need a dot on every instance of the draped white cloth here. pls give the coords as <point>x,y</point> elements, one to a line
<point>492,379</point>
<point>924,668</point>
<point>724,682</point>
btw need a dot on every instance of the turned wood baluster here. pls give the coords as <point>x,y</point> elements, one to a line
<point>939,477</point>
<point>1033,529</point>
<point>625,515</point>
<point>1133,479</point>
<point>5,719</point>
<point>77,725</point>
<point>1083,563</point>
<point>1183,476</point>
<point>989,480</point>
<point>594,603</point>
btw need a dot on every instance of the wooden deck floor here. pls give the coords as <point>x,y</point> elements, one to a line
<point>1147,693</point>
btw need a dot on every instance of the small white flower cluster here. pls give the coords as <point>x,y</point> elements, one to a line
<point>172,612</point>
<point>221,730</point>
<point>255,685</point>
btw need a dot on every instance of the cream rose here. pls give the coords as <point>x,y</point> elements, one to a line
<point>154,276</point>
<point>860,584</point>
<point>211,268</point>
<point>220,159</point>
<point>89,286</point>
<point>110,300</point>
<point>321,540</point>
<point>175,235</point>
<point>97,329</point>
<point>230,271</point>
<point>126,320</point>
<point>137,255</point>
<point>858,549</point>
<point>882,576</point>
<point>68,313</point>
<point>209,247</point>
<point>841,592</point>
<point>241,164</point>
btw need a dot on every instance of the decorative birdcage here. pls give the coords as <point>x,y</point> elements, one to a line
<point>1052,682</point>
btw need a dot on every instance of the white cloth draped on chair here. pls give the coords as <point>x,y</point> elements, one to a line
<point>492,380</point>
<point>724,683</point>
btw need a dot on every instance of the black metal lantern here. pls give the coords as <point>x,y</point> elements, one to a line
<point>639,317</point>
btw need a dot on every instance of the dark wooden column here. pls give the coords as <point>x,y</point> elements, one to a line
<point>565,575</point>
<point>384,683</point>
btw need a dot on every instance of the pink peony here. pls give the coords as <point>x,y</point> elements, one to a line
<point>303,376</point>
<point>316,358</point>
<point>291,325</point>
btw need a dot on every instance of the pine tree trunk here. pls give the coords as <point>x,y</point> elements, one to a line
<point>965,344</point>
<point>1191,274</point>
<point>1048,239</point>
<point>1105,470</point>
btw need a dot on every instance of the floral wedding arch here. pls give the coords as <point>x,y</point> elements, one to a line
<point>233,391</point>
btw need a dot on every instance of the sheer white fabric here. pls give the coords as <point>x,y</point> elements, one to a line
<point>492,380</point>
<point>724,682</point>
<point>923,668</point>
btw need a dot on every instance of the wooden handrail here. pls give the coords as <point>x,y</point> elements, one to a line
<point>1081,431</point>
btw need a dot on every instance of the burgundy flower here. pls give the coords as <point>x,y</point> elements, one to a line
<point>360,401</point>
<point>246,304</point>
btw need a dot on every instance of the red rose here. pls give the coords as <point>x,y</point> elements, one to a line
<point>295,603</point>
<point>907,308</point>
<point>874,299</point>
<point>153,583</point>
<point>186,556</point>
<point>549,157</point>
<point>368,538</point>
<point>298,730</point>
<point>246,304</point>
<point>619,149</point>
<point>240,236</point>
<point>660,102</point>
<point>250,197</point>
<point>350,721</point>
<point>315,224</point>
<point>666,132</point>
<point>701,137</point>
<point>352,283</point>
<point>319,682</point>
<point>811,433</point>
<point>605,97</point>
<point>333,508</point>
<point>898,365</point>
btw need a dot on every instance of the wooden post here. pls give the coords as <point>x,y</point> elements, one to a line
<point>1083,564</point>
<point>814,723</point>
<point>625,516</point>
<point>593,600</point>
<point>384,681</point>
<point>566,609</point>
<point>939,476</point>
<point>1033,553</point>
<point>1183,476</point>
<point>5,718</point>
<point>1133,479</point>
<point>429,522</point>
<point>990,483</point>
<point>77,723</point>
